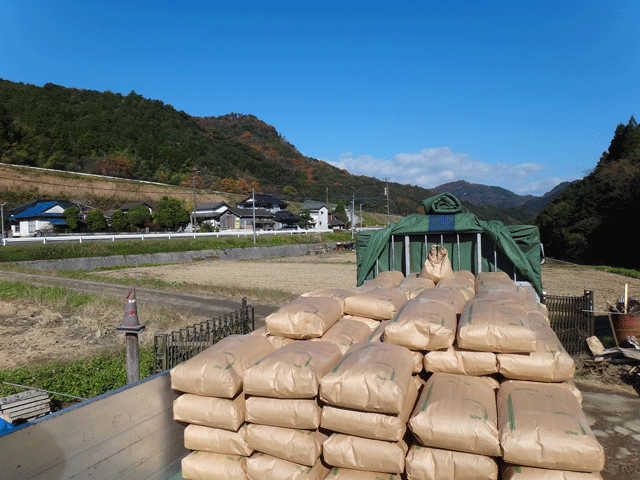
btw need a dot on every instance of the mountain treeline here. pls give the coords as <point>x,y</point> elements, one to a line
<point>592,220</point>
<point>129,136</point>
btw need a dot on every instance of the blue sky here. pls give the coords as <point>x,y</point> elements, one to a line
<point>520,94</point>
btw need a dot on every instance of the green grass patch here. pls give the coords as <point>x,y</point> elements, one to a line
<point>84,378</point>
<point>46,295</point>
<point>57,251</point>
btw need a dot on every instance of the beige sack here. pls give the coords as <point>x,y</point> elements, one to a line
<point>418,361</point>
<point>378,426</point>
<point>348,474</point>
<point>284,412</point>
<point>292,371</point>
<point>276,341</point>
<point>379,304</point>
<point>213,466</point>
<point>511,472</point>
<point>345,332</point>
<point>437,266</point>
<point>461,362</point>
<point>458,413</point>
<point>338,293</point>
<point>357,453</point>
<point>377,335</point>
<point>496,280</point>
<point>372,376</point>
<point>542,425</point>
<point>298,446</point>
<point>267,467</point>
<point>465,274</point>
<point>215,412</point>
<point>369,322</point>
<point>388,279</point>
<point>424,463</point>
<point>550,362</point>
<point>216,440</point>
<point>217,371</point>
<point>465,285</point>
<point>451,296</point>
<point>423,324</point>
<point>304,317</point>
<point>414,286</point>
<point>495,326</point>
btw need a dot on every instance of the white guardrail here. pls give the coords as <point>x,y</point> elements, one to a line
<point>150,236</point>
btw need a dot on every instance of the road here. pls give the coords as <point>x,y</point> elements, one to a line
<point>200,305</point>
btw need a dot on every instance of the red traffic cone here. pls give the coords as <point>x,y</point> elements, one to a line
<point>131,310</point>
<point>130,321</point>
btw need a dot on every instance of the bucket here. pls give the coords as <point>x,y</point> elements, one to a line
<point>626,325</point>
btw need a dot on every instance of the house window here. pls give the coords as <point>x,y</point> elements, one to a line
<point>32,226</point>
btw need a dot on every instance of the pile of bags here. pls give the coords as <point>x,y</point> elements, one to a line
<point>440,375</point>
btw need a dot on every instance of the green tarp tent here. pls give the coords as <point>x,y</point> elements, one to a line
<point>473,244</point>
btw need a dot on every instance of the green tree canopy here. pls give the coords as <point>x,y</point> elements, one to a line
<point>96,221</point>
<point>70,216</point>
<point>305,218</point>
<point>138,216</point>
<point>119,221</point>
<point>170,213</point>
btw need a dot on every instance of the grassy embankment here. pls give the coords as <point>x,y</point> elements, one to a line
<point>82,377</point>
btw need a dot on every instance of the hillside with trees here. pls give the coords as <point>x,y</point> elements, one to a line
<point>130,137</point>
<point>591,221</point>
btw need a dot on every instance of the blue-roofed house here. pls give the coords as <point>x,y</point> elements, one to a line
<point>42,216</point>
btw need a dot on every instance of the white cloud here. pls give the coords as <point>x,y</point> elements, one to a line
<point>431,167</point>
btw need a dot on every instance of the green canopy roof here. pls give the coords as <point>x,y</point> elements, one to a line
<point>519,244</point>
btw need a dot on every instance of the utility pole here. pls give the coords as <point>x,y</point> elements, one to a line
<point>360,215</point>
<point>253,206</point>
<point>2,214</point>
<point>353,207</point>
<point>193,182</point>
<point>386,192</point>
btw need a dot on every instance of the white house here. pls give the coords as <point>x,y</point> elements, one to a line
<point>38,217</point>
<point>319,213</point>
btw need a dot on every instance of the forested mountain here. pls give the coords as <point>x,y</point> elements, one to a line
<point>129,136</point>
<point>592,220</point>
<point>492,196</point>
<point>132,137</point>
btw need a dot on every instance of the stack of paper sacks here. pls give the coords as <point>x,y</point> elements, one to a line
<point>213,406</point>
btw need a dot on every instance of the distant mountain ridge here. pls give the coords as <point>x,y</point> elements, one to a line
<point>484,195</point>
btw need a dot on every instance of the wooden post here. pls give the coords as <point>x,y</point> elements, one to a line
<point>131,328</point>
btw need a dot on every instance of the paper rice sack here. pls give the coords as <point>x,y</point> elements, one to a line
<point>348,474</point>
<point>301,413</point>
<point>261,466</point>
<point>379,303</point>
<point>461,362</point>
<point>455,412</point>
<point>213,466</point>
<point>292,371</point>
<point>304,317</point>
<point>372,376</point>
<point>495,326</point>
<point>424,463</point>
<point>217,440</point>
<point>378,426</point>
<point>358,453</point>
<point>346,332</point>
<point>215,412</point>
<point>298,446</point>
<point>511,472</point>
<point>413,286</point>
<point>217,371</point>
<point>542,425</point>
<point>423,324</point>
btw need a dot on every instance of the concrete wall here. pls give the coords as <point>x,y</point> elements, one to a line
<point>91,263</point>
